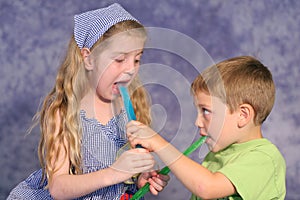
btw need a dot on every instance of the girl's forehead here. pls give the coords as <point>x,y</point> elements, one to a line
<point>125,44</point>
<point>125,41</point>
<point>119,45</point>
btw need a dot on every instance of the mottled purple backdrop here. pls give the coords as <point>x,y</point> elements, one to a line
<point>34,35</point>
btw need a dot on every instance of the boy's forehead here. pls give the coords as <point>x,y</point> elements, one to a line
<point>201,97</point>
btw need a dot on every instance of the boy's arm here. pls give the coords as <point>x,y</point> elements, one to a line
<point>199,180</point>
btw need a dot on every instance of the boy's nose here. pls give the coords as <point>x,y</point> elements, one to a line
<point>198,122</point>
<point>200,126</point>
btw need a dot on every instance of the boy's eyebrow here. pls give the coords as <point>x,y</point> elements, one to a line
<point>202,105</point>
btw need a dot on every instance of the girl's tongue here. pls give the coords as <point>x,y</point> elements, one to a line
<point>115,88</point>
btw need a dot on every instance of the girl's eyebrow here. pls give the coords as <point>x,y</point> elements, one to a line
<point>141,52</point>
<point>117,53</point>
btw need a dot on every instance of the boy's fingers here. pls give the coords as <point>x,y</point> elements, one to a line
<point>133,123</point>
<point>139,150</point>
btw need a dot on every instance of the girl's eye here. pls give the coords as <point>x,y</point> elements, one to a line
<point>137,61</point>
<point>120,59</point>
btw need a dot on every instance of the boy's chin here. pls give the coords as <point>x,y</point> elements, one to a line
<point>214,148</point>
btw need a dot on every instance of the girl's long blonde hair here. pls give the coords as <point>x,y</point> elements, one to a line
<point>64,101</point>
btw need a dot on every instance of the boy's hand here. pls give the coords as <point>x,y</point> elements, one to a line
<point>138,133</point>
<point>157,181</point>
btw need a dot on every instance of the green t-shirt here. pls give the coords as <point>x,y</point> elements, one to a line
<point>255,168</point>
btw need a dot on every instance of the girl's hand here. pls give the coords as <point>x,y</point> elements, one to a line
<point>138,133</point>
<point>157,181</point>
<point>132,162</point>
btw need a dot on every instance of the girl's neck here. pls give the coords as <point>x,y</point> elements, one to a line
<point>103,111</point>
<point>96,108</point>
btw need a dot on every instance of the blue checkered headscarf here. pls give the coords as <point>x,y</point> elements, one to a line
<point>91,25</point>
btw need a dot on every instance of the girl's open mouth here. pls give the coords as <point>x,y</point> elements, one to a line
<point>115,88</point>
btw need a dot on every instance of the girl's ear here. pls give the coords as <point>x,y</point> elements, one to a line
<point>246,114</point>
<point>85,52</point>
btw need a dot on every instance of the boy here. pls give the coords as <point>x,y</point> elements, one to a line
<point>233,99</point>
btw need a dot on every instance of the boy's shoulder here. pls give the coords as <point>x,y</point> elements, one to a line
<point>266,148</point>
<point>258,163</point>
<point>258,149</point>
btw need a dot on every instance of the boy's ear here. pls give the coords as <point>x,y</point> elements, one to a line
<point>246,114</point>
<point>85,52</point>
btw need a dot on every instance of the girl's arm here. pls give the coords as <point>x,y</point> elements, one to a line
<point>66,186</point>
<point>62,185</point>
<point>199,180</point>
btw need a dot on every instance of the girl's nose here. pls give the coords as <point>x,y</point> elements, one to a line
<point>130,71</point>
<point>130,67</point>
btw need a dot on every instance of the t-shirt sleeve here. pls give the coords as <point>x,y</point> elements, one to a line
<point>253,175</point>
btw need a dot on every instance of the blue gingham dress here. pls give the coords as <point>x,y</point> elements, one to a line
<point>100,144</point>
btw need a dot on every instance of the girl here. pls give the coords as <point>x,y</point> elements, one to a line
<point>80,136</point>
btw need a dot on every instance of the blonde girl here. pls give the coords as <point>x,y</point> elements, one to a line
<point>81,132</point>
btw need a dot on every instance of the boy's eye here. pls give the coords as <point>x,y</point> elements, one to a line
<point>205,111</point>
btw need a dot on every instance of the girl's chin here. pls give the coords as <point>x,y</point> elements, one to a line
<point>105,99</point>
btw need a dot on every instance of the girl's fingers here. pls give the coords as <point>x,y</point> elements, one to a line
<point>155,185</point>
<point>165,178</point>
<point>158,183</point>
<point>153,190</point>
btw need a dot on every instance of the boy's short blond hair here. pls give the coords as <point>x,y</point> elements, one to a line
<point>237,81</point>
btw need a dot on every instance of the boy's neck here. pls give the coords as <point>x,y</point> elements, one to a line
<point>251,133</point>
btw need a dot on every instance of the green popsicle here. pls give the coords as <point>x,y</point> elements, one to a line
<point>142,191</point>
